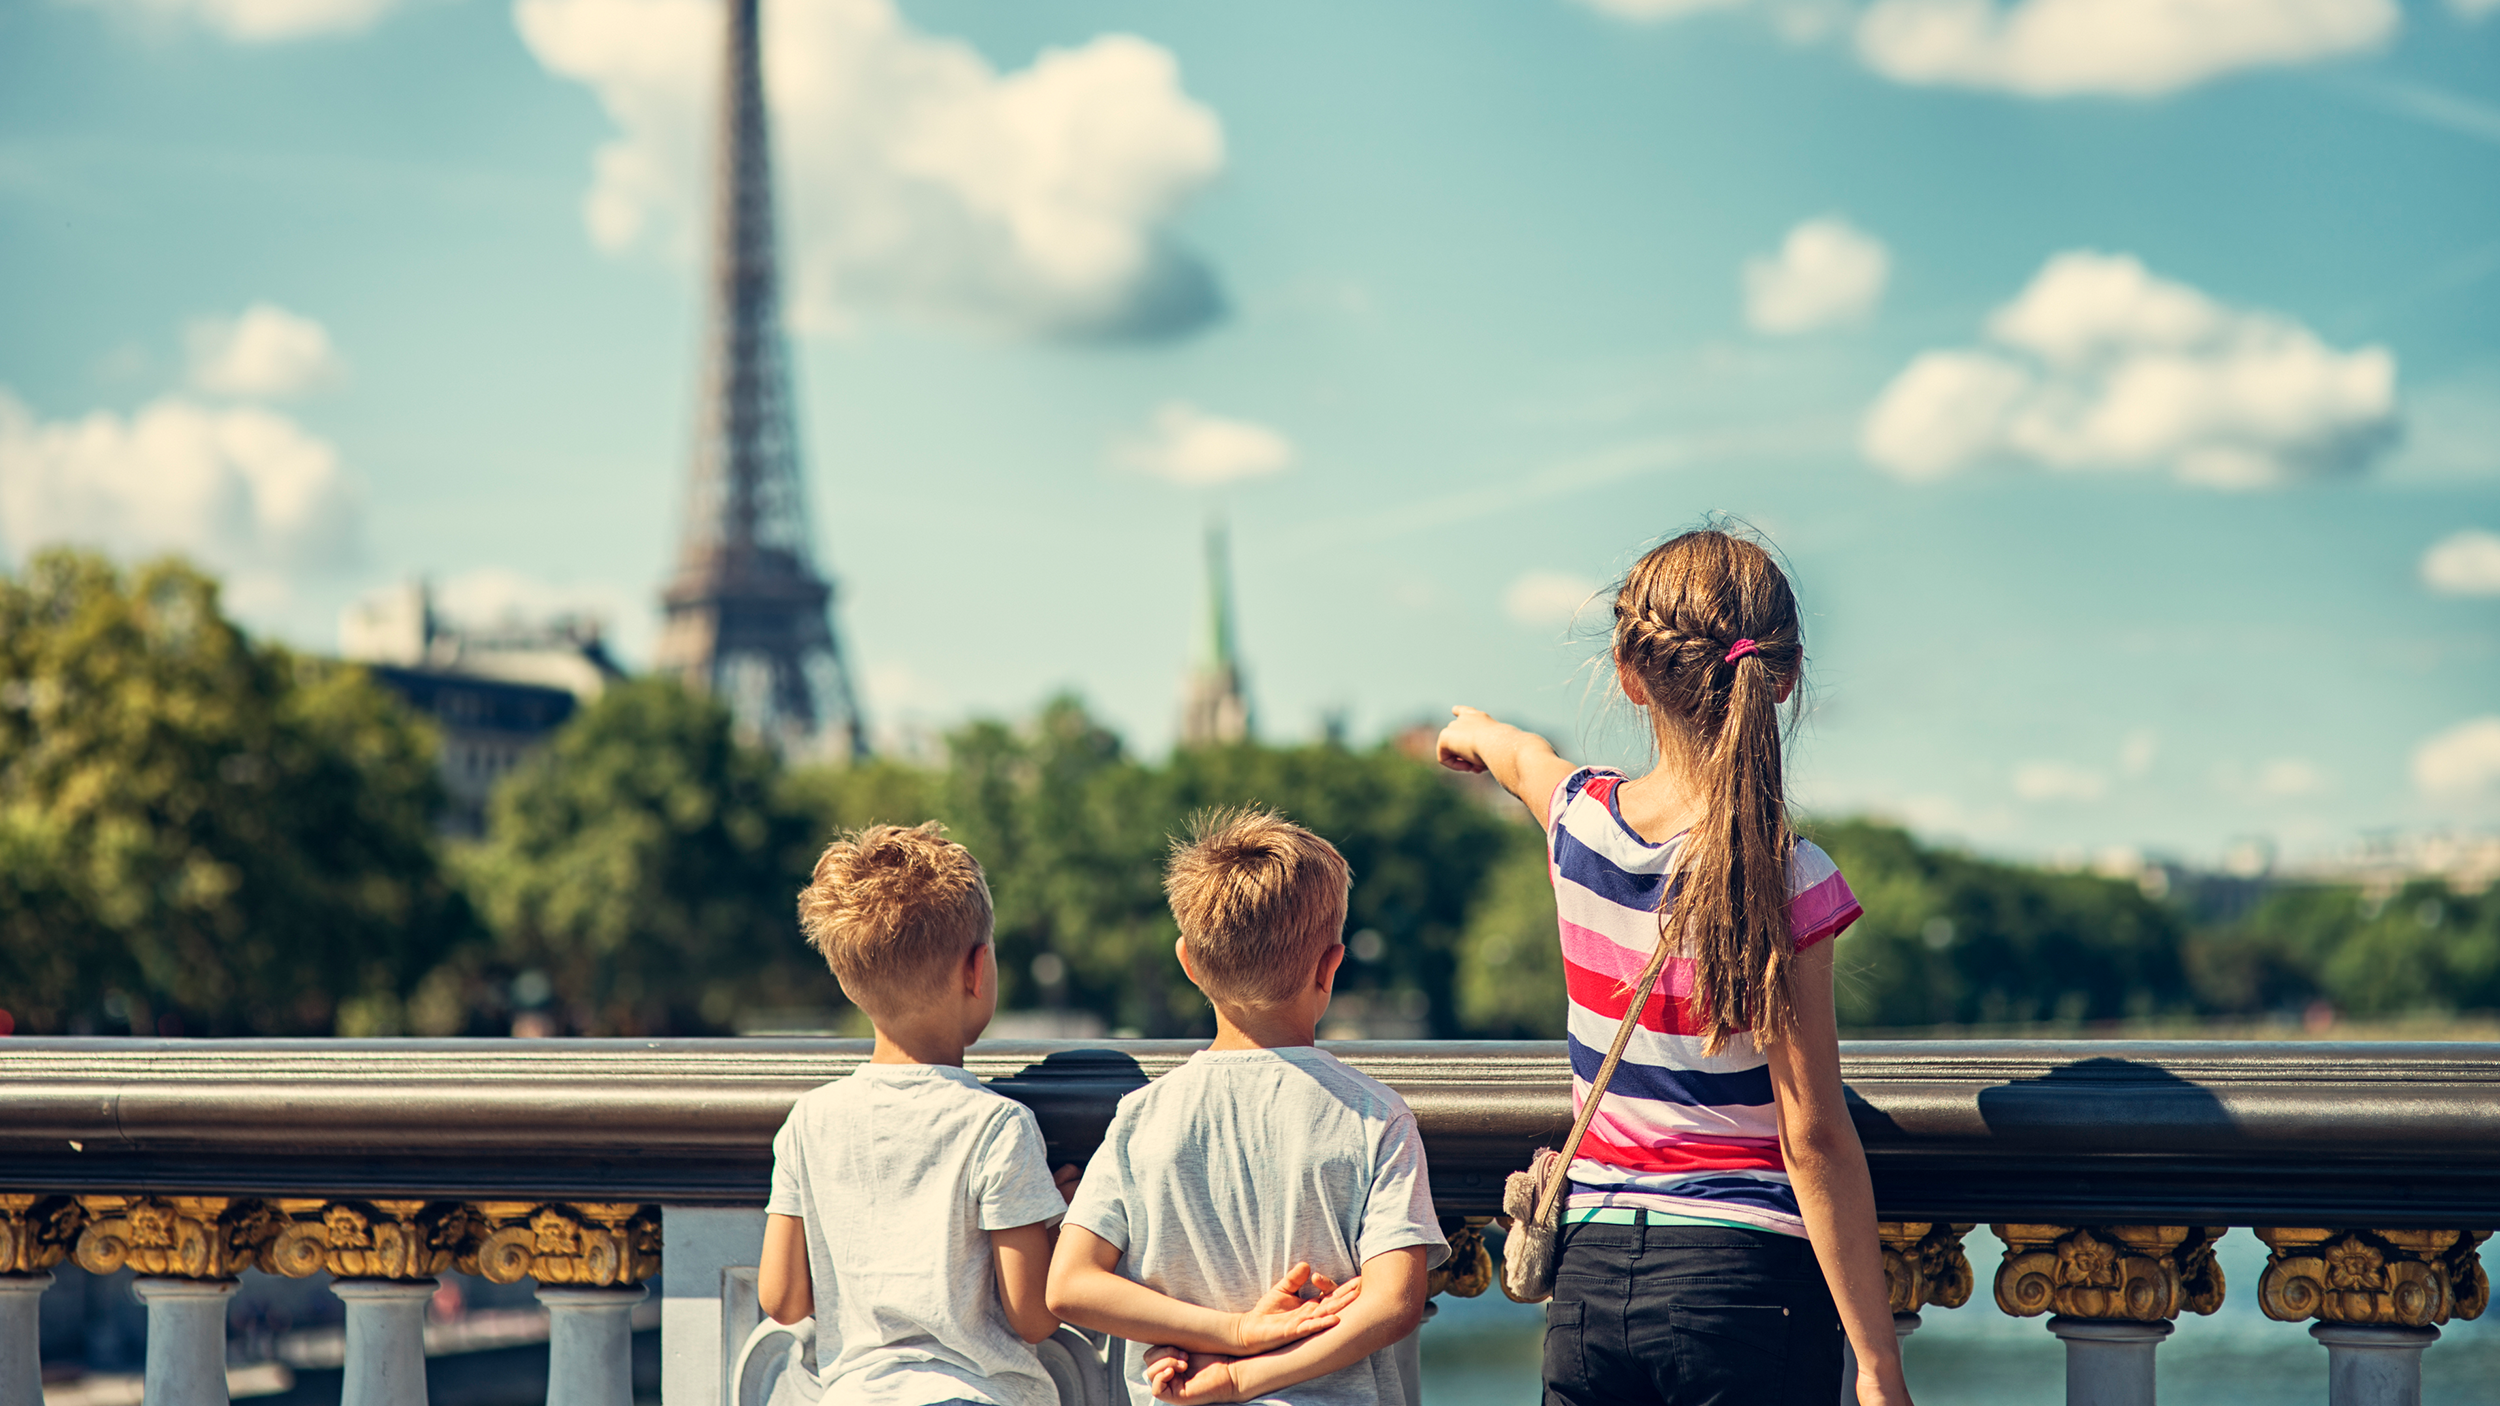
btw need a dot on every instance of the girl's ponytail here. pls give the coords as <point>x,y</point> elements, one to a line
<point>1708,624</point>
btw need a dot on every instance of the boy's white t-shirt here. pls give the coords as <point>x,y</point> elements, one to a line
<point>900,1171</point>
<point>1218,1177</point>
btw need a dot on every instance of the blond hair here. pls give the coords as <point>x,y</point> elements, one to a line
<point>1709,625</point>
<point>893,909</point>
<point>1258,899</point>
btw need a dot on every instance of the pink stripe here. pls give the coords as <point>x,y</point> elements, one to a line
<point>1593,951</point>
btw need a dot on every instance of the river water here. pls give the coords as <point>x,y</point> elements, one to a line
<point>1484,1351</point>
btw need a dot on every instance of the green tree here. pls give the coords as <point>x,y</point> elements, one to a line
<point>199,832</point>
<point>648,862</point>
<point>1953,939</point>
<point>1510,968</point>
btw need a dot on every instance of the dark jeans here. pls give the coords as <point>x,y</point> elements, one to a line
<point>1689,1315</point>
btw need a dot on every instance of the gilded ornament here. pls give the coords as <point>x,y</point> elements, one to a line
<point>2411,1278</point>
<point>36,1232</point>
<point>2140,1273</point>
<point>590,1243</point>
<point>1924,1264</point>
<point>368,1239</point>
<point>1469,1269</point>
<point>182,1237</point>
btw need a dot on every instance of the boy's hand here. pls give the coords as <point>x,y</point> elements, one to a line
<point>1190,1378</point>
<point>1282,1315</point>
<point>1066,1179</point>
<point>1460,744</point>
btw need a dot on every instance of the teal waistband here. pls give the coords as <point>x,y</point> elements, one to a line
<point>1640,1215</point>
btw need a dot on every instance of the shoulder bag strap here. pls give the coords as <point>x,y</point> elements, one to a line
<point>1597,1086</point>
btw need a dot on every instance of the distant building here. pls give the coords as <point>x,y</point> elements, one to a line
<point>494,694</point>
<point>1215,709</point>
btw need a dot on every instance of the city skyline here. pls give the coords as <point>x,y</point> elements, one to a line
<point>2129,413</point>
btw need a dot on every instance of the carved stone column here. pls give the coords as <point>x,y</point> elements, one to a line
<point>187,1249</point>
<point>21,1338</point>
<point>36,1232</point>
<point>2379,1296</point>
<point>2114,1290</point>
<point>590,1341</point>
<point>385,1340</point>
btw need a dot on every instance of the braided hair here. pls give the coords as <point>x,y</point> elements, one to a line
<point>1708,624</point>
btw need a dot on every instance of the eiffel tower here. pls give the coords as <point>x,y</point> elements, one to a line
<point>748,616</point>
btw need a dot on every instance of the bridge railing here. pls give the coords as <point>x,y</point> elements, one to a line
<point>592,1167</point>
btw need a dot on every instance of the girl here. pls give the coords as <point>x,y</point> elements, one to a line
<point>1719,1234</point>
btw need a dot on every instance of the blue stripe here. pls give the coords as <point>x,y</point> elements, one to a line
<point>1735,1191</point>
<point>1749,1088</point>
<point>1602,876</point>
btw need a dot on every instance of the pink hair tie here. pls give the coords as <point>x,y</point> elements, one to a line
<point>1743,648</point>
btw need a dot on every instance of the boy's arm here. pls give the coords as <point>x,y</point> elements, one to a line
<point>1391,1306</point>
<point>1086,1289</point>
<point>1523,762</point>
<point>782,1289</point>
<point>1022,1255</point>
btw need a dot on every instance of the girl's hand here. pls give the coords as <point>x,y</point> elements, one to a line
<point>1882,1388</point>
<point>1190,1378</point>
<point>1461,746</point>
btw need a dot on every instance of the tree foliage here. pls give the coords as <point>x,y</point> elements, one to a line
<point>1073,833</point>
<point>647,863</point>
<point>199,832</point>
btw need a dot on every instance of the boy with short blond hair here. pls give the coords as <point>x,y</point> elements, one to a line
<point>912,1209</point>
<point>1259,1152</point>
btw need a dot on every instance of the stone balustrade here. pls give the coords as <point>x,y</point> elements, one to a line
<point>597,1167</point>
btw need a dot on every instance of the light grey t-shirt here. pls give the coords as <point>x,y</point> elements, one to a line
<point>1218,1177</point>
<point>900,1171</point>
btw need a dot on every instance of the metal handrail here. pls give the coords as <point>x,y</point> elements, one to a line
<point>2193,1132</point>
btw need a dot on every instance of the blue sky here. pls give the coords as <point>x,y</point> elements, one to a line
<point>2122,381</point>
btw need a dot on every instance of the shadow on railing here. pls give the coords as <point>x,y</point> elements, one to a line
<point>591,1166</point>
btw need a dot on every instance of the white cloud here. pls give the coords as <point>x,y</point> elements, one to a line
<point>915,178</point>
<point>2286,777</point>
<point>2130,48</point>
<point>491,596</point>
<point>240,489</point>
<point>1186,445</point>
<point>2462,762</point>
<point>2100,364</point>
<point>267,351</point>
<point>1655,11</point>
<point>1547,598</point>
<point>2464,563</point>
<point>256,21</point>
<point>2137,751</point>
<point>2058,781</point>
<point>1825,273</point>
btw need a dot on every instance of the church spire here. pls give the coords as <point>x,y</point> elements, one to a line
<point>1216,707</point>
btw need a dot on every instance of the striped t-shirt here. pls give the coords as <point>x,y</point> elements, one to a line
<point>1689,1136</point>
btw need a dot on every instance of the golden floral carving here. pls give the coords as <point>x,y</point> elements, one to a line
<point>1469,1269</point>
<point>591,1242</point>
<point>2413,1278</point>
<point>369,1239</point>
<point>1924,1264</point>
<point>36,1232</point>
<point>182,1237</point>
<point>2142,1273</point>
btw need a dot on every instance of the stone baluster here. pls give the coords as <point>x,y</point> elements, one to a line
<point>187,1251</point>
<point>590,1260</point>
<point>1923,1265</point>
<point>36,1233</point>
<point>2114,1291</point>
<point>382,1257</point>
<point>21,1338</point>
<point>2379,1297</point>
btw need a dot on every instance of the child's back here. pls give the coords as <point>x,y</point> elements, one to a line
<point>900,1172</point>
<point>1220,1176</point>
<point>912,1210</point>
